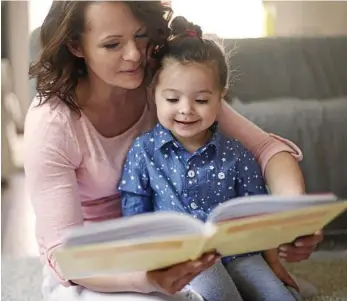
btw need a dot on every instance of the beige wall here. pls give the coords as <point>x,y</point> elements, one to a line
<point>18,49</point>
<point>310,17</point>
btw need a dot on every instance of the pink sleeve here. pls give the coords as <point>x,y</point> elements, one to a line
<point>262,144</point>
<point>51,157</point>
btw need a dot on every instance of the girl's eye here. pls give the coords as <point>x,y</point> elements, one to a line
<point>202,101</point>
<point>172,100</point>
<point>111,46</point>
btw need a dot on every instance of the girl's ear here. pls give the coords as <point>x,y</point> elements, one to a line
<point>75,49</point>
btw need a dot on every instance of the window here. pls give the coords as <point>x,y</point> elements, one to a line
<point>38,10</point>
<point>225,18</point>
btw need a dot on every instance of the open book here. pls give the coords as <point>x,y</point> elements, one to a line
<point>157,240</point>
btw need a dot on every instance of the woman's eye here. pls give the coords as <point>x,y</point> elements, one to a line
<point>201,101</point>
<point>142,35</point>
<point>172,100</point>
<point>111,46</point>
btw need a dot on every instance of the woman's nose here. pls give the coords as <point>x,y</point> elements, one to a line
<point>131,52</point>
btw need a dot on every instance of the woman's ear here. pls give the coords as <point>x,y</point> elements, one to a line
<point>75,49</point>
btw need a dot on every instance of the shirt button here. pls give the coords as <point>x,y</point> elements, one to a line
<point>191,174</point>
<point>221,175</point>
<point>193,205</point>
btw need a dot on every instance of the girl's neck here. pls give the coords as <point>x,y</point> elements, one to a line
<point>192,144</point>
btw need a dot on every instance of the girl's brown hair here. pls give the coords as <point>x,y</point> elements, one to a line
<point>57,70</point>
<point>186,45</point>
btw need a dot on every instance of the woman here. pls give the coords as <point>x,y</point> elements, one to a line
<point>93,101</point>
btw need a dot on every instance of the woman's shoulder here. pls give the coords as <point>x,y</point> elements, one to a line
<point>44,111</point>
<point>50,133</point>
<point>50,121</point>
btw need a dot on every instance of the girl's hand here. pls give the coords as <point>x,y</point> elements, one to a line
<point>175,278</point>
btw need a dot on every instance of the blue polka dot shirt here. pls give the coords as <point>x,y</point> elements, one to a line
<point>161,175</point>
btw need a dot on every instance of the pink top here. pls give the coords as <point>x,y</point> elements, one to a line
<point>72,171</point>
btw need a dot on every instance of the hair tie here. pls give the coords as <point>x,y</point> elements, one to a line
<point>191,33</point>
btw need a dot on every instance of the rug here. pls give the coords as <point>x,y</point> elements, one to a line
<point>21,278</point>
<point>328,275</point>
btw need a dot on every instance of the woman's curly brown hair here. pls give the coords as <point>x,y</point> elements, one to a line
<point>57,70</point>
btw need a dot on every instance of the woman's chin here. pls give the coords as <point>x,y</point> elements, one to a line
<point>131,86</point>
<point>131,82</point>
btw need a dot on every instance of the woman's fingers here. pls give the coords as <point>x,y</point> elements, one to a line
<point>301,249</point>
<point>174,278</point>
<point>179,284</point>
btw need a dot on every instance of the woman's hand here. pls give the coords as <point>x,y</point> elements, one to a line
<point>175,278</point>
<point>301,249</point>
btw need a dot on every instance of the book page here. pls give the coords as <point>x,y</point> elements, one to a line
<point>262,204</point>
<point>139,227</point>
<point>141,243</point>
<point>263,232</point>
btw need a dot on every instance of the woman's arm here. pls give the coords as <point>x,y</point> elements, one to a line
<point>277,156</point>
<point>51,157</point>
<point>283,175</point>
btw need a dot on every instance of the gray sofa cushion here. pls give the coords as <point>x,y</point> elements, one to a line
<point>305,68</point>
<point>319,128</point>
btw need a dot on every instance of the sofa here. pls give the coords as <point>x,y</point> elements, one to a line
<point>297,88</point>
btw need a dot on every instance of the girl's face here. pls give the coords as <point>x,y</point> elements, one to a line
<point>114,44</point>
<point>188,98</point>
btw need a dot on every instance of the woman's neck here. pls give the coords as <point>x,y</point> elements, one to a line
<point>94,93</point>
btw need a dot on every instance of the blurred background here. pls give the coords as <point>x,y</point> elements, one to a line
<point>289,66</point>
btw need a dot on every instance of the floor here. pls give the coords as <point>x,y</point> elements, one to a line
<point>17,220</point>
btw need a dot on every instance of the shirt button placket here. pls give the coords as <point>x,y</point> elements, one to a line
<point>191,173</point>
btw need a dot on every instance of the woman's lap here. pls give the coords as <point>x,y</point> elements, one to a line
<point>79,294</point>
<point>253,279</point>
<point>53,291</point>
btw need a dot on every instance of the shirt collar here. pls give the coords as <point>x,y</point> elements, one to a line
<point>163,136</point>
<point>215,139</point>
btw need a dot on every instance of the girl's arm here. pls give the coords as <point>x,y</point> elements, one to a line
<point>135,187</point>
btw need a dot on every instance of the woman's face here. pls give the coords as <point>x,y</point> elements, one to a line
<point>114,44</point>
